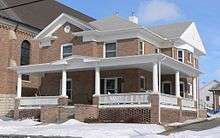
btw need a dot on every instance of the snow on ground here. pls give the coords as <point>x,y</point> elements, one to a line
<point>108,130</point>
<point>79,129</point>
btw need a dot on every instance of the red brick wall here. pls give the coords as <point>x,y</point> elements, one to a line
<point>10,50</point>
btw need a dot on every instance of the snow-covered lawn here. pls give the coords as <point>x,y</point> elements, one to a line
<point>78,129</point>
<point>110,130</point>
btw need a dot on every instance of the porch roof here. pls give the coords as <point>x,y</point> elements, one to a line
<point>87,63</point>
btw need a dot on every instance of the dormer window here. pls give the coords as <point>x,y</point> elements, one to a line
<point>141,48</point>
<point>180,55</point>
<point>110,50</point>
<point>66,50</point>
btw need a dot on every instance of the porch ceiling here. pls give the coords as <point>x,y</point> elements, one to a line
<point>76,63</point>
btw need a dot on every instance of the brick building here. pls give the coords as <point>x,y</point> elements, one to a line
<point>111,70</point>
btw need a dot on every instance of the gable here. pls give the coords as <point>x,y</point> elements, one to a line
<point>192,37</point>
<point>60,21</point>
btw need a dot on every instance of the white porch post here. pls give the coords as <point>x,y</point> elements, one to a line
<point>194,89</point>
<point>19,85</point>
<point>64,79</point>
<point>177,83</point>
<point>97,81</point>
<point>155,78</point>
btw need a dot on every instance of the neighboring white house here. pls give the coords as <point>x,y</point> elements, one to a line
<point>206,97</point>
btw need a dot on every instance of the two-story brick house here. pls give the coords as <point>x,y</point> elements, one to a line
<point>18,27</point>
<point>128,71</point>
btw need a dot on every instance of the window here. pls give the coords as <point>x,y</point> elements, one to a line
<point>190,57</point>
<point>166,87</point>
<point>111,85</point>
<point>25,53</point>
<point>141,48</point>
<point>182,89</point>
<point>25,57</point>
<point>190,88</point>
<point>207,98</point>
<point>180,55</point>
<point>142,83</point>
<point>110,50</point>
<point>69,87</point>
<point>66,50</point>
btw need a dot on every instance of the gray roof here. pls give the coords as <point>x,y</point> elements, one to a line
<point>113,23</point>
<point>40,14</point>
<point>171,31</point>
<point>216,87</point>
<point>117,23</point>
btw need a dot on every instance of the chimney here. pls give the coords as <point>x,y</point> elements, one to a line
<point>133,18</point>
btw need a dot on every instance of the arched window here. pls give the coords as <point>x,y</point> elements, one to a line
<point>25,53</point>
<point>25,57</point>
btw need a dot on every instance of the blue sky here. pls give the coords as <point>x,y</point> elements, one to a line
<point>154,12</point>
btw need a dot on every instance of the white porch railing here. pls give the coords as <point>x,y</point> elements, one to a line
<point>38,101</point>
<point>169,100</point>
<point>124,98</point>
<point>186,102</point>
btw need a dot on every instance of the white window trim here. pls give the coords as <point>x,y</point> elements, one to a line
<point>163,82</point>
<point>104,48</point>
<point>142,77</point>
<point>184,90</point>
<point>71,94</point>
<point>110,78</point>
<point>190,89</point>
<point>190,57</point>
<point>183,58</point>
<point>61,49</point>
<point>143,48</point>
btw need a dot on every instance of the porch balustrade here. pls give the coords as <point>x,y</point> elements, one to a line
<point>189,103</point>
<point>124,98</point>
<point>38,101</point>
<point>170,100</point>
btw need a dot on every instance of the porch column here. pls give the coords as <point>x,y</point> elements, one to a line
<point>97,81</point>
<point>155,78</point>
<point>195,89</point>
<point>19,85</point>
<point>177,83</point>
<point>64,79</point>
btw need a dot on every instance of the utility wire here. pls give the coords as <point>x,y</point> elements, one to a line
<point>23,4</point>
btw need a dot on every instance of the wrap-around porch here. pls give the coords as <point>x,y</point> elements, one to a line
<point>121,81</point>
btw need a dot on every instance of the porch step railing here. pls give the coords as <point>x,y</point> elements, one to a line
<point>189,103</point>
<point>38,101</point>
<point>124,98</point>
<point>169,100</point>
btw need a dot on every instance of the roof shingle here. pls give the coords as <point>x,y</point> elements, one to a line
<point>39,14</point>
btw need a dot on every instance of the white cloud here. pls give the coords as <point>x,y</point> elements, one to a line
<point>157,10</point>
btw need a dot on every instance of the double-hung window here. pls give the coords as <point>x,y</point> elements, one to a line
<point>142,83</point>
<point>180,55</point>
<point>66,50</point>
<point>111,85</point>
<point>190,57</point>
<point>110,50</point>
<point>141,48</point>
